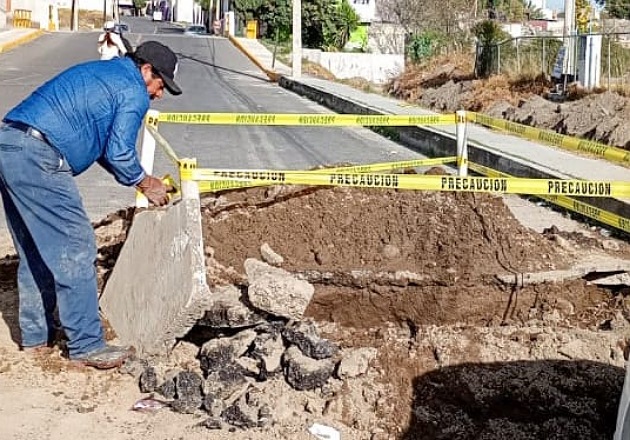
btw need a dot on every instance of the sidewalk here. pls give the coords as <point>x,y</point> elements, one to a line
<point>11,38</point>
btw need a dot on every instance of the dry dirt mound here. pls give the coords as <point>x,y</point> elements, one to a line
<point>596,116</point>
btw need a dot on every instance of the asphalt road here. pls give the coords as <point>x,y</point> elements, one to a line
<point>215,77</point>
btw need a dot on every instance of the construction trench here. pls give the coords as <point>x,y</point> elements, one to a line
<point>382,313</point>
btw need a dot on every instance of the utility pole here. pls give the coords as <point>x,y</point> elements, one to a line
<point>297,39</point>
<point>75,16</point>
<point>209,17</point>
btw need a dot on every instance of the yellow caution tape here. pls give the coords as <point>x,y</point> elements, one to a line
<point>552,138</point>
<point>585,209</point>
<point>169,181</point>
<point>330,120</point>
<point>425,183</point>
<point>389,166</point>
<point>220,185</point>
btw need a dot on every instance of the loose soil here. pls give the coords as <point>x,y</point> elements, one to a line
<point>447,85</point>
<point>411,274</point>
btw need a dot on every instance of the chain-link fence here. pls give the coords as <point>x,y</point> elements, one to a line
<point>539,54</point>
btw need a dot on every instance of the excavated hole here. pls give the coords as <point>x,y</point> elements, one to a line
<point>413,275</point>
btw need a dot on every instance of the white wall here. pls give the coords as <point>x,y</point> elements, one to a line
<point>386,38</point>
<point>184,10</point>
<point>90,5</point>
<point>366,9</point>
<point>376,68</point>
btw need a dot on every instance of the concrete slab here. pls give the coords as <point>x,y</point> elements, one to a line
<point>157,290</point>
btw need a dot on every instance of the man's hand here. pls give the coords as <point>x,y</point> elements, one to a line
<point>154,190</point>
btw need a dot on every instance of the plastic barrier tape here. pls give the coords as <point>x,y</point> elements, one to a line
<point>552,138</point>
<point>216,185</point>
<point>427,183</point>
<point>590,211</point>
<point>331,120</point>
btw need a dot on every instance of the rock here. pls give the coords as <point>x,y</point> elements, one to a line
<point>188,385</point>
<point>134,366</point>
<point>227,384</point>
<point>270,256</point>
<point>167,389</point>
<point>212,423</point>
<point>249,411</point>
<point>390,251</point>
<point>188,392</point>
<point>186,406</point>
<point>610,245</point>
<point>241,415</point>
<point>148,380</point>
<point>304,336</point>
<point>277,291</point>
<point>265,416</point>
<point>249,365</point>
<point>228,310</point>
<point>184,355</point>
<point>213,405</point>
<point>269,348</point>
<point>305,373</point>
<point>218,352</point>
<point>356,362</point>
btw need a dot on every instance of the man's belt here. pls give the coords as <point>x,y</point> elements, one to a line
<point>27,129</point>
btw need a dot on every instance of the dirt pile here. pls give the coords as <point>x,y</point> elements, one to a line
<point>410,275</point>
<point>599,116</point>
<point>422,339</point>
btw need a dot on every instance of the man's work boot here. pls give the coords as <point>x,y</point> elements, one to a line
<point>39,350</point>
<point>110,356</point>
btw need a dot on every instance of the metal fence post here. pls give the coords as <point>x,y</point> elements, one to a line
<point>498,59</point>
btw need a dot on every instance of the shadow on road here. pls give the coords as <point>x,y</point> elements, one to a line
<point>261,78</point>
<point>550,399</point>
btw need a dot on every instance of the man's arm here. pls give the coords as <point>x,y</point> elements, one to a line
<point>120,157</point>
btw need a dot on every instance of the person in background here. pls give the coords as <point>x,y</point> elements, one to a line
<point>89,113</point>
<point>111,43</point>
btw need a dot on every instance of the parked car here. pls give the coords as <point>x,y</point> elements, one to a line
<point>195,29</point>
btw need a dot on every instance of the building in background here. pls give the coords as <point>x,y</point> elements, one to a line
<point>5,6</point>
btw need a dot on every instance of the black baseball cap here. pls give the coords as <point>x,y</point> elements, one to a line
<point>163,60</point>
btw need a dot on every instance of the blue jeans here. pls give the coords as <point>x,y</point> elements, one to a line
<point>55,242</point>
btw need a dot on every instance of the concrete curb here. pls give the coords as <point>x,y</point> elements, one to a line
<point>433,142</point>
<point>5,47</point>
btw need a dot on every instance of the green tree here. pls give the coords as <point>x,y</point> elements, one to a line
<point>489,34</point>
<point>616,8</point>
<point>325,23</point>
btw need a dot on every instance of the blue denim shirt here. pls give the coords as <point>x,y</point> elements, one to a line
<point>92,112</point>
